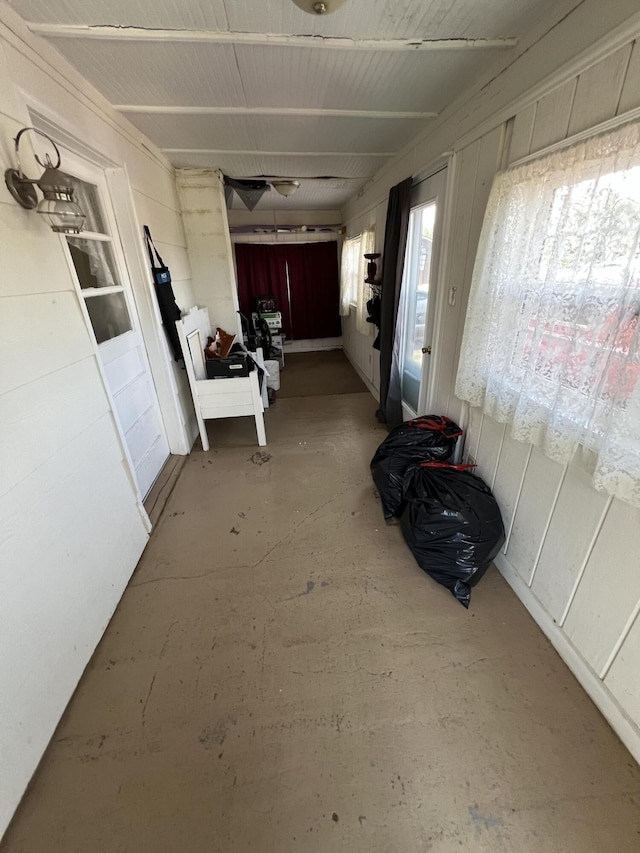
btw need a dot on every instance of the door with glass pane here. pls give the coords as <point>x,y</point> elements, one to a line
<point>105,293</point>
<point>418,292</point>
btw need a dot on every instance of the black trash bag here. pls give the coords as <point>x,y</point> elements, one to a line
<point>432,437</point>
<point>452,524</point>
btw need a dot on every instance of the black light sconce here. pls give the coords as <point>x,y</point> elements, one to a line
<point>372,268</point>
<point>65,216</point>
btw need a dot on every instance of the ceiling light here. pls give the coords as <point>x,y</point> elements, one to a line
<point>63,214</point>
<point>285,188</point>
<point>315,8</point>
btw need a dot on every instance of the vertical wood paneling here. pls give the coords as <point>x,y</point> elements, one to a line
<point>474,426</point>
<point>514,458</point>
<point>552,116</point>
<point>609,589</point>
<point>488,453</point>
<point>532,515</point>
<point>598,91</point>
<point>577,514</point>
<point>522,133</point>
<point>489,155</point>
<point>466,169</point>
<point>630,96</point>
<point>623,679</point>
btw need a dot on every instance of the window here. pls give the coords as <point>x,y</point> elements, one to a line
<point>96,268</point>
<point>551,342</point>
<point>353,271</point>
<point>349,269</point>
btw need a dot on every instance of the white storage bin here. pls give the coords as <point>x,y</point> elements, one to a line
<point>273,369</point>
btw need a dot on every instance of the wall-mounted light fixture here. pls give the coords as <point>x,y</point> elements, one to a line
<point>64,215</point>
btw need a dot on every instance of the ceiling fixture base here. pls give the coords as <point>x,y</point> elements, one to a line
<point>313,7</point>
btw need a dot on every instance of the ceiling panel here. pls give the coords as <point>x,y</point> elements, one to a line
<point>357,80</point>
<point>288,165</point>
<point>380,19</point>
<point>158,73</point>
<point>170,14</point>
<point>275,133</point>
<point>384,19</point>
<point>192,74</point>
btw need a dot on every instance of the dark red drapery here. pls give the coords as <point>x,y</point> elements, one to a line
<point>315,290</point>
<point>262,270</point>
<point>314,285</point>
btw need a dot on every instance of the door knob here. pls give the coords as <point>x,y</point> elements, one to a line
<point>426,350</point>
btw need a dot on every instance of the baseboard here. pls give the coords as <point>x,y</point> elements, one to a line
<point>626,730</point>
<point>312,345</point>
<point>370,386</point>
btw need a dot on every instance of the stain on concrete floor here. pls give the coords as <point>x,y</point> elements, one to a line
<point>303,686</point>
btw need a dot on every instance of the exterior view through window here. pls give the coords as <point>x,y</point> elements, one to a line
<point>415,290</point>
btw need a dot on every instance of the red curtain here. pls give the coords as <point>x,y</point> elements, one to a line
<point>262,270</point>
<point>315,290</point>
<point>310,306</point>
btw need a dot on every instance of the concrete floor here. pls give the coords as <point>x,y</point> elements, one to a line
<point>280,676</point>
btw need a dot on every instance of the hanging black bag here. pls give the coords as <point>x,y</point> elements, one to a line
<point>169,310</point>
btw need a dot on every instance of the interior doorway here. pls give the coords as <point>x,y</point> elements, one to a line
<point>418,294</point>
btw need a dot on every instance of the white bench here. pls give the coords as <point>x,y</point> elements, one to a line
<point>217,398</point>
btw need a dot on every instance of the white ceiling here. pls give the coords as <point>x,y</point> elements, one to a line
<point>332,95</point>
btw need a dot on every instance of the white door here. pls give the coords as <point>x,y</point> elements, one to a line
<point>418,292</point>
<point>104,288</point>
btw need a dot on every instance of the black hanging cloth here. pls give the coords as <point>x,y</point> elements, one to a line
<point>169,310</point>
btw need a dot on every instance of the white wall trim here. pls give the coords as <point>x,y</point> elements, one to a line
<point>312,345</point>
<point>628,733</point>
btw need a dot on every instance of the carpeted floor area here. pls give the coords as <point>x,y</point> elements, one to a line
<point>319,374</point>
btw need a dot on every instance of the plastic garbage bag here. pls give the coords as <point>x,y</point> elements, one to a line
<point>432,437</point>
<point>452,524</point>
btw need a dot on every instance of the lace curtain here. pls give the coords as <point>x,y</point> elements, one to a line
<point>551,341</point>
<point>347,273</point>
<point>367,247</point>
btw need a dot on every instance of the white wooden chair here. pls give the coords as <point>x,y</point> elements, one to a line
<point>217,398</point>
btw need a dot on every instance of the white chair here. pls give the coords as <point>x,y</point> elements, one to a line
<point>217,398</point>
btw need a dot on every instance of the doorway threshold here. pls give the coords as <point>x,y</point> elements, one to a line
<point>157,498</point>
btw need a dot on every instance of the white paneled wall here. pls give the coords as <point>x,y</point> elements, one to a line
<point>571,552</point>
<point>72,527</point>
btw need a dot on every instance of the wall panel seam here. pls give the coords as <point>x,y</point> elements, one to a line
<point>517,501</point>
<point>543,538</point>
<point>585,562</point>
<point>89,355</point>
<point>495,469</point>
<point>619,642</point>
<point>624,78</point>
